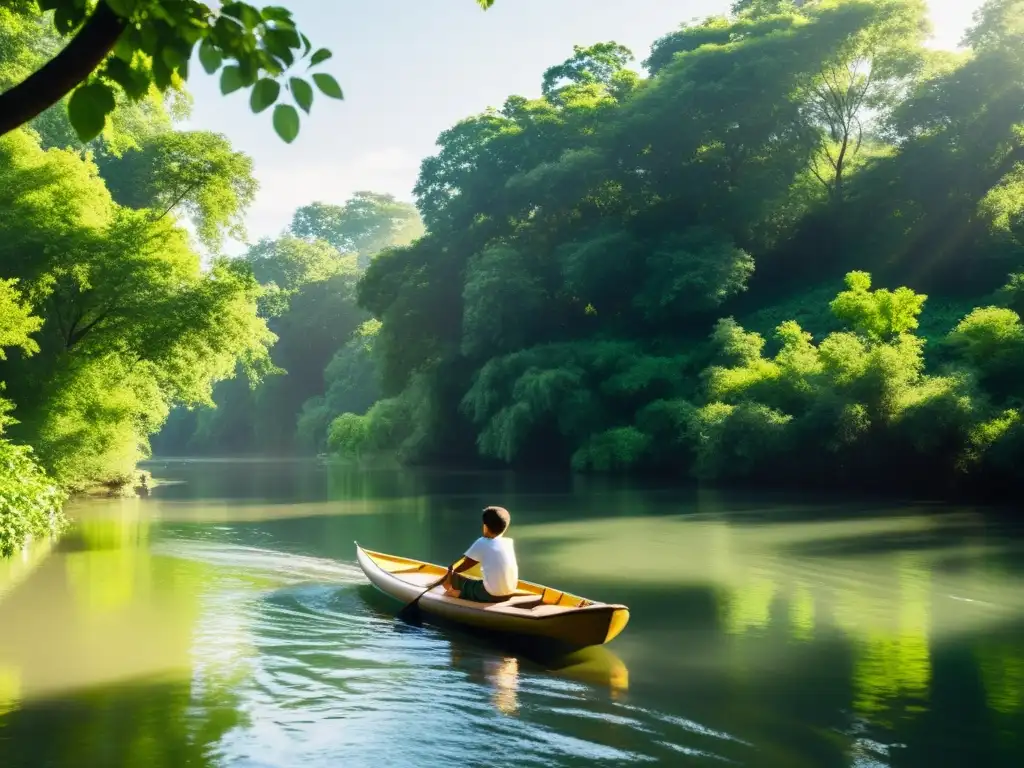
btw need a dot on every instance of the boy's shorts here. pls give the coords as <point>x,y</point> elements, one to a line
<point>473,589</point>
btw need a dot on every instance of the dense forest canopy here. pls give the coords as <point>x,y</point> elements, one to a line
<point>322,361</point>
<point>790,250</point>
<point>759,261</point>
<point>115,307</point>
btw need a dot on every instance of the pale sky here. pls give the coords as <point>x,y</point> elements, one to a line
<point>412,68</point>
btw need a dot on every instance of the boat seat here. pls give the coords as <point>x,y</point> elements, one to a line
<point>518,601</point>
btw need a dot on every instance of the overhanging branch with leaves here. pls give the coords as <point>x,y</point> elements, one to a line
<point>133,45</point>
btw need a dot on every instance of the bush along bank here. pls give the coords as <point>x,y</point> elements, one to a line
<point>30,501</point>
<point>862,407</point>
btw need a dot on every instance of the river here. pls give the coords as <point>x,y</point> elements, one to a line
<point>223,622</point>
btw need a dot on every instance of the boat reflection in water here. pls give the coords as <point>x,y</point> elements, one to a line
<point>503,668</point>
<point>498,672</point>
<point>500,661</point>
<point>598,666</point>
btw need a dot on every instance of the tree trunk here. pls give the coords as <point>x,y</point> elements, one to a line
<point>58,77</point>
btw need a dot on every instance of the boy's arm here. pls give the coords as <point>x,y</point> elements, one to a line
<point>464,564</point>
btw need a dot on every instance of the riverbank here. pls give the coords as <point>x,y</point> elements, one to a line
<point>141,484</point>
<point>32,504</point>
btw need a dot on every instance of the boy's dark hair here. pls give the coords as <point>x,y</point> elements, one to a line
<point>496,519</point>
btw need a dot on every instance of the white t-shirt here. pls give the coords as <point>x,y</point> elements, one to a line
<point>497,558</point>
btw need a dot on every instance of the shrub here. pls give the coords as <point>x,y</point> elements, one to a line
<point>347,435</point>
<point>30,502</point>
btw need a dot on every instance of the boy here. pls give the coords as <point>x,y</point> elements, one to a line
<point>497,558</point>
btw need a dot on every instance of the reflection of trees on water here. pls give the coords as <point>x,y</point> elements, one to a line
<point>1001,661</point>
<point>888,634</point>
<point>15,569</point>
<point>1002,672</point>
<point>10,688</point>
<point>748,607</point>
<point>892,669</point>
<point>897,683</point>
<point>109,565</point>
<point>153,724</point>
<point>801,613</point>
<point>119,688</point>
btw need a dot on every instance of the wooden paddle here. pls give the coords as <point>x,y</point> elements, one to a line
<point>410,608</point>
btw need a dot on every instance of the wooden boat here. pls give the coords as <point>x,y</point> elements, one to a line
<point>535,612</point>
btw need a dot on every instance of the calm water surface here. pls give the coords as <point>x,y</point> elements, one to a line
<point>223,622</point>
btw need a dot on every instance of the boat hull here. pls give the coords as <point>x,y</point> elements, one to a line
<point>537,612</point>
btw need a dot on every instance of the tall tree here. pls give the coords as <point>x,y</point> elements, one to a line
<point>367,223</point>
<point>195,172</point>
<point>132,323</point>
<point>861,85</point>
<point>597,64</point>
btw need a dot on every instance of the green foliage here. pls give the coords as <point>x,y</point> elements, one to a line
<point>109,320</point>
<point>738,442</point>
<point>692,271</point>
<point>599,64</point>
<point>17,323</point>
<point>347,434</point>
<point>27,40</point>
<point>499,293</point>
<point>1011,295</point>
<point>572,387</point>
<point>30,502</point>
<point>366,224</point>
<point>290,263</point>
<point>633,273</point>
<point>857,402</point>
<point>350,381</point>
<point>146,44</point>
<point>194,172</point>
<point>879,314</point>
<point>250,47</point>
<point>622,448</point>
<point>351,375</point>
<point>302,91</point>
<point>327,85</point>
<point>991,341</point>
<point>92,427</point>
<point>286,122</point>
<point>325,357</point>
<point>88,108</point>
<point>997,24</point>
<point>399,425</point>
<point>129,321</point>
